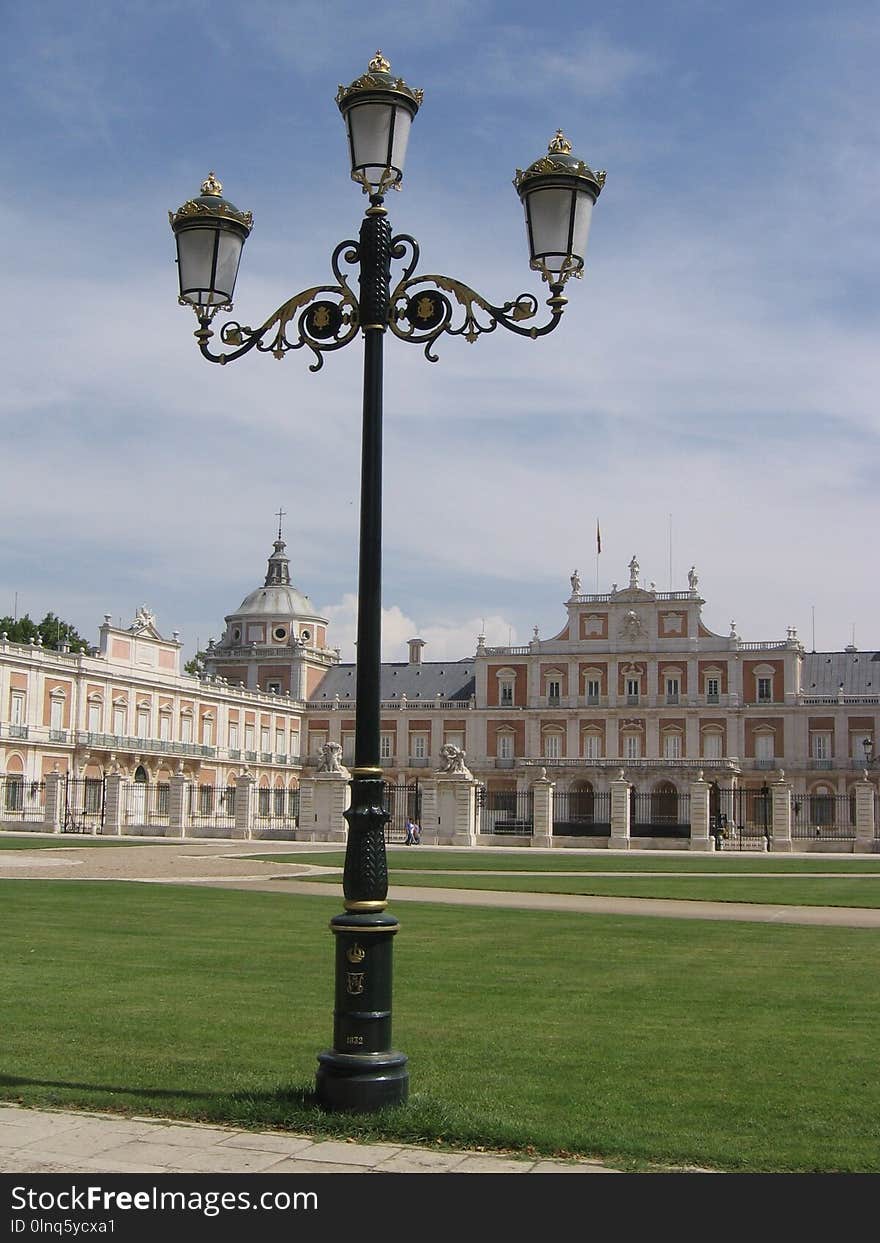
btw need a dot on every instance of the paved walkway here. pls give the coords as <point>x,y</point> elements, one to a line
<point>37,1141</point>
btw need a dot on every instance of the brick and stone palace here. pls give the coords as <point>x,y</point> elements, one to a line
<point>634,726</point>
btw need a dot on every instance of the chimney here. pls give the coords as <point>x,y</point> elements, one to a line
<point>415,651</point>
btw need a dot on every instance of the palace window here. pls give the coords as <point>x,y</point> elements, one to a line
<point>249,737</point>
<point>505,691</point>
<point>419,746</point>
<point>94,716</point>
<point>672,746</point>
<point>593,687</point>
<point>207,731</point>
<point>765,746</point>
<point>120,711</point>
<point>186,727</point>
<point>712,746</point>
<point>553,688</point>
<point>505,746</point>
<point>17,708</point>
<point>56,713</point>
<point>713,690</point>
<point>386,746</point>
<point>632,690</point>
<point>233,735</point>
<point>552,746</point>
<point>632,746</point>
<point>821,746</point>
<point>142,721</point>
<point>672,690</point>
<point>592,747</point>
<point>165,725</point>
<point>765,690</point>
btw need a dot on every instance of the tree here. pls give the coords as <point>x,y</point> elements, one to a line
<point>52,631</point>
<point>196,666</point>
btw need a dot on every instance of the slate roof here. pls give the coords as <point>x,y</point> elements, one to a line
<point>453,680</point>
<point>826,673</point>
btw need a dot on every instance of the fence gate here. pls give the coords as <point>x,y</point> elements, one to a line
<point>402,801</point>
<point>83,805</point>
<point>741,819</point>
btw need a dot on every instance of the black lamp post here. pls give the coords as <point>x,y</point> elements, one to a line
<point>868,748</point>
<point>362,1072</point>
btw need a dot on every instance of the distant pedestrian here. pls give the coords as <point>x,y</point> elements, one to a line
<point>410,839</point>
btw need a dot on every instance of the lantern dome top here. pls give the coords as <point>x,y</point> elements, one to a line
<point>378,79</point>
<point>559,160</point>
<point>211,203</point>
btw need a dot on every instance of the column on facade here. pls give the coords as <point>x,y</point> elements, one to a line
<point>244,805</point>
<point>699,804</point>
<point>780,804</point>
<point>401,745</point>
<point>651,684</point>
<point>54,806</point>
<point>692,694</point>
<point>692,747</point>
<point>620,813</point>
<point>865,826</point>
<point>652,737</point>
<point>112,805</point>
<point>542,810</point>
<point>572,737</point>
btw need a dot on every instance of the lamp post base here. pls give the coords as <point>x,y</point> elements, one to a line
<point>361,1082</point>
<point>362,1072</point>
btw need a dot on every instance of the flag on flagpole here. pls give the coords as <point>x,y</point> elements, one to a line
<point>598,538</point>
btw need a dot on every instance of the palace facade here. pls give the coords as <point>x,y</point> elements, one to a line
<point>634,687</point>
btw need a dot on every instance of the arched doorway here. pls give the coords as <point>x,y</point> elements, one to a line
<point>664,804</point>
<point>139,796</point>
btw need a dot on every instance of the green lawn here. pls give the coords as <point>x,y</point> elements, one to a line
<point>786,891</point>
<point>52,841</point>
<point>732,1046</point>
<point>524,860</point>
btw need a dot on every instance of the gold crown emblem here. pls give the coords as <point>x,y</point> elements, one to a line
<point>355,953</point>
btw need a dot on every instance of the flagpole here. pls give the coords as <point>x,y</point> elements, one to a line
<point>598,550</point>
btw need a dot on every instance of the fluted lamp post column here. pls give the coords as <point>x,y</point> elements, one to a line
<point>362,1072</point>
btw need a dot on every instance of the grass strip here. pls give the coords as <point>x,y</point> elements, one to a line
<point>422,858</point>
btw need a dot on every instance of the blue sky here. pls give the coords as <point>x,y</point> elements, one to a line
<point>711,395</point>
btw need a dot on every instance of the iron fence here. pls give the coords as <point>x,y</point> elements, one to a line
<point>508,813</point>
<point>824,817</point>
<point>664,812</point>
<point>22,801</point>
<point>209,811</point>
<point>403,802</point>
<point>276,813</point>
<point>83,810</point>
<point>144,807</point>
<point>582,813</point>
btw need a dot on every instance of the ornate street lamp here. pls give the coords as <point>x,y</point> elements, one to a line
<point>362,1072</point>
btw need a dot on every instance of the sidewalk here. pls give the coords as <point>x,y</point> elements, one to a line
<point>37,1141</point>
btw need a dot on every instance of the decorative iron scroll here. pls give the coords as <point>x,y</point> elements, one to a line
<point>421,314</point>
<point>321,323</point>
